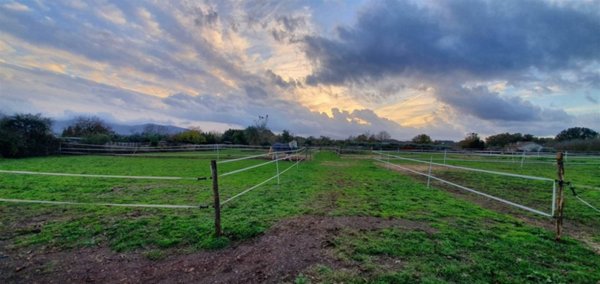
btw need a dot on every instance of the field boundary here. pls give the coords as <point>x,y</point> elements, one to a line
<point>276,157</point>
<point>473,191</point>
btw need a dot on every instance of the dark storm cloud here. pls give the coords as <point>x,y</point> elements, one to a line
<point>483,104</point>
<point>279,81</point>
<point>480,38</point>
<point>287,27</point>
<point>450,43</point>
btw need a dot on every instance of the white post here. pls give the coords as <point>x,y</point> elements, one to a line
<point>218,155</point>
<point>277,166</point>
<point>522,159</point>
<point>445,156</point>
<point>387,157</point>
<point>429,174</point>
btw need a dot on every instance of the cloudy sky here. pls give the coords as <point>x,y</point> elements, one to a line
<point>329,67</point>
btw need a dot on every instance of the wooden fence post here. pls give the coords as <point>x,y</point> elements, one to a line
<point>217,204</point>
<point>560,202</point>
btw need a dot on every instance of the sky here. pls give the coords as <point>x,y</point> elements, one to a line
<point>330,67</point>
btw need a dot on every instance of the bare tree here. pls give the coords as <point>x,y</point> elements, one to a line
<point>383,136</point>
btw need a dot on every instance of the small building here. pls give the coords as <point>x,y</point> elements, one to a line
<point>280,147</point>
<point>283,148</point>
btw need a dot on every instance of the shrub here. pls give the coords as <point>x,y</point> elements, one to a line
<point>472,141</point>
<point>23,135</point>
<point>192,136</point>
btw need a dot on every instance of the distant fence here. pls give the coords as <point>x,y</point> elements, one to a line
<point>117,149</point>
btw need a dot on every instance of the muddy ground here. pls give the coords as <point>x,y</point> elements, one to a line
<point>280,255</point>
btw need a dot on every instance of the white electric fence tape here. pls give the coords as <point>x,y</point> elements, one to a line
<point>470,169</point>
<point>258,185</point>
<point>95,175</point>
<point>470,190</point>
<point>99,204</point>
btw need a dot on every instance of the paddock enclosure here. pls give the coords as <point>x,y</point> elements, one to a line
<point>152,198</point>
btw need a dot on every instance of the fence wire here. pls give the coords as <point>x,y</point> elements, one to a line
<point>470,189</point>
<point>96,175</point>
<point>135,205</point>
<point>259,184</point>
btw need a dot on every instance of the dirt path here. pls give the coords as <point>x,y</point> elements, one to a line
<point>288,248</point>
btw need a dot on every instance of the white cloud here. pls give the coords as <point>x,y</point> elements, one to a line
<point>219,64</point>
<point>16,6</point>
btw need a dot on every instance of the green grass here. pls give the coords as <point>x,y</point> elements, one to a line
<point>126,229</point>
<point>466,243</point>
<point>471,244</point>
<point>532,193</point>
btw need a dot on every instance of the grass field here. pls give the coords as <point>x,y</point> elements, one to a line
<point>461,242</point>
<point>583,173</point>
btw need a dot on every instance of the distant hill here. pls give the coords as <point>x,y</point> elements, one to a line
<point>122,129</point>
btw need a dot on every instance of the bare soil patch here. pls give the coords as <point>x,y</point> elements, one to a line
<point>288,248</point>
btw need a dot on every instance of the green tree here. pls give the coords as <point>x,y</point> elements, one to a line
<point>503,139</point>
<point>87,126</point>
<point>471,141</point>
<point>212,137</point>
<point>422,139</point>
<point>192,136</point>
<point>235,136</point>
<point>310,141</point>
<point>576,133</point>
<point>259,133</point>
<point>324,141</point>
<point>152,133</point>
<point>286,137</point>
<point>363,138</point>
<point>24,135</point>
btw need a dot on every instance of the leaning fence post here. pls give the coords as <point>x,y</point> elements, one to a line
<point>217,205</point>
<point>560,202</point>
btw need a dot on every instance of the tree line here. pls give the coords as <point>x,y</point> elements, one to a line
<point>23,135</point>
